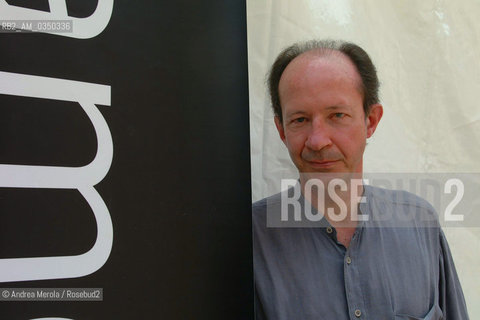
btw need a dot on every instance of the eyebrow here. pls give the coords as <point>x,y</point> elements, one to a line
<point>337,107</point>
<point>289,115</point>
<point>300,112</point>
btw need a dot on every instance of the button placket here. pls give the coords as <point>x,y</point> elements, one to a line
<point>355,298</point>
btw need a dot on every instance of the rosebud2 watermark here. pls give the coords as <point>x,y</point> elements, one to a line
<point>316,184</point>
<point>400,199</point>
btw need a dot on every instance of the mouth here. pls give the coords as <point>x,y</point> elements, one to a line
<point>323,164</point>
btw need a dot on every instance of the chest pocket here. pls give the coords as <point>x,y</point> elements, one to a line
<point>435,313</point>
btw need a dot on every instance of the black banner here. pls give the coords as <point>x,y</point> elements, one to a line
<point>124,163</point>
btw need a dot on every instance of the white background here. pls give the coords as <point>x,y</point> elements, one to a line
<point>427,55</point>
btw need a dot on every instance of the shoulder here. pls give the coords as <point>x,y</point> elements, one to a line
<point>404,206</point>
<point>266,214</point>
<point>411,221</point>
<point>259,208</point>
<point>261,205</point>
<point>397,197</point>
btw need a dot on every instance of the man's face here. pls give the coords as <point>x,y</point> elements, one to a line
<point>324,126</point>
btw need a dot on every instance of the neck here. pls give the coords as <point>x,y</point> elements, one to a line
<point>337,197</point>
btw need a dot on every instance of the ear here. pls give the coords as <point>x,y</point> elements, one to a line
<point>373,118</point>
<point>279,125</point>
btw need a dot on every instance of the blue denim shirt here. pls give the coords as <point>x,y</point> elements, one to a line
<point>392,269</point>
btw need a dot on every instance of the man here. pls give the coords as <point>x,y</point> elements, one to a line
<point>352,263</point>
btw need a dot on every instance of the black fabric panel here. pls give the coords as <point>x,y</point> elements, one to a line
<point>178,189</point>
<point>32,4</point>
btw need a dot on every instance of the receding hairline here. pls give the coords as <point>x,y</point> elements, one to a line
<point>369,84</point>
<point>328,54</point>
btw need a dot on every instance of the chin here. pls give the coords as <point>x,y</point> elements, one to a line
<point>328,175</point>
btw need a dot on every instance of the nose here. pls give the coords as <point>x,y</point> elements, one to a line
<point>319,136</point>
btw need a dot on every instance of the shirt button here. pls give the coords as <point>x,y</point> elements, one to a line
<point>358,313</point>
<point>349,260</point>
<point>329,230</point>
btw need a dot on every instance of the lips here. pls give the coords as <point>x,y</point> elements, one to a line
<point>323,163</point>
<point>324,160</point>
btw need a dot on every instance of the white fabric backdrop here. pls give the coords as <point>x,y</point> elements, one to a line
<point>427,56</point>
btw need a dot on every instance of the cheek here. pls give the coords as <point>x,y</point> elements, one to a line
<point>350,142</point>
<point>295,142</point>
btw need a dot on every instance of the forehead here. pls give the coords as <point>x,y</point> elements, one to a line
<point>319,70</point>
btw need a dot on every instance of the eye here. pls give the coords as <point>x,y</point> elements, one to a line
<point>339,115</point>
<point>299,120</point>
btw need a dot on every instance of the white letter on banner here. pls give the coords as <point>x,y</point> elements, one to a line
<point>52,319</point>
<point>80,178</point>
<point>82,28</point>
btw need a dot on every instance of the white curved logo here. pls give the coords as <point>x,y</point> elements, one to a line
<point>83,28</point>
<point>80,178</point>
<point>52,319</point>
